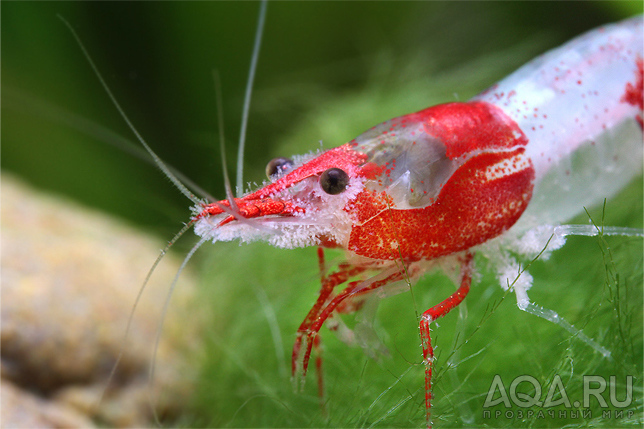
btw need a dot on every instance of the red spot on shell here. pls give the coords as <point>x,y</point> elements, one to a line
<point>634,92</point>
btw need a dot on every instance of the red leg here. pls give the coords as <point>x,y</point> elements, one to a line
<point>321,264</point>
<point>354,288</point>
<point>434,313</point>
<point>318,367</point>
<point>329,283</point>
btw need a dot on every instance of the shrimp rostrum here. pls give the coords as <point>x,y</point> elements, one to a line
<point>432,188</point>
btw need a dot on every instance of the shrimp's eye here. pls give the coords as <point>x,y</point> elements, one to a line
<point>334,181</point>
<point>278,166</point>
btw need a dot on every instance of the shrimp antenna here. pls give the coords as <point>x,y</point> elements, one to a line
<point>136,303</point>
<point>182,188</point>
<point>22,101</point>
<point>222,139</point>
<point>166,304</point>
<point>249,90</point>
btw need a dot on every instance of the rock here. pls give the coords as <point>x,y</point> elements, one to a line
<point>69,279</point>
<point>22,409</point>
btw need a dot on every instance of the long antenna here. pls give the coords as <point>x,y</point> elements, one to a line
<point>249,90</point>
<point>182,188</point>
<point>166,305</point>
<point>22,101</point>
<point>130,318</point>
<point>222,139</point>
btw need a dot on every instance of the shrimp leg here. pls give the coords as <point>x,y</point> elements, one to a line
<point>434,313</point>
<point>358,287</point>
<point>344,273</point>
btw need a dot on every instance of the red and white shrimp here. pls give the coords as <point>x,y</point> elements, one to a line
<point>431,188</point>
<point>426,190</point>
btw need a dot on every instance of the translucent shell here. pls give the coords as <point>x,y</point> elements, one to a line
<point>414,165</point>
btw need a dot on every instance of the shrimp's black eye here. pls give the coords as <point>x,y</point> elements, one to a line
<point>278,166</point>
<point>334,181</point>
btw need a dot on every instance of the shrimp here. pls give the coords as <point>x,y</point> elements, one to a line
<point>431,188</point>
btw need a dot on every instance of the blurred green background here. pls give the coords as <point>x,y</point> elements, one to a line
<point>327,72</point>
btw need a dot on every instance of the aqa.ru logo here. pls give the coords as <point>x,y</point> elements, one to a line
<point>594,387</point>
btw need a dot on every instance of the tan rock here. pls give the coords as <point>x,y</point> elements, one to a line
<point>69,279</point>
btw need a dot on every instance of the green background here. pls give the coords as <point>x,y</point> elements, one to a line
<point>327,71</point>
